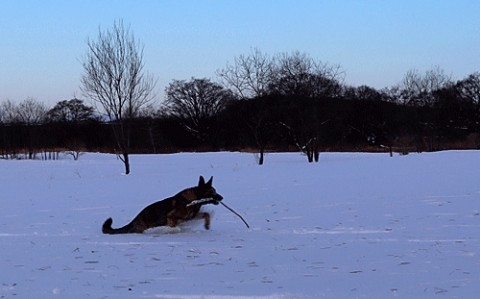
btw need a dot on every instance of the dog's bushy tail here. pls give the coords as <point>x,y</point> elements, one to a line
<point>107,228</point>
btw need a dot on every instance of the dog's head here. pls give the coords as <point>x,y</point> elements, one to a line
<point>206,192</point>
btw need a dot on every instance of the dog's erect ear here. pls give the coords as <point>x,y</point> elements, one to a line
<point>201,181</point>
<point>209,183</point>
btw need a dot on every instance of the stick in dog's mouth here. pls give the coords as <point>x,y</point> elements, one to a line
<point>203,200</point>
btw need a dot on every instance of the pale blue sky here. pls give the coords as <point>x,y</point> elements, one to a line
<point>376,42</point>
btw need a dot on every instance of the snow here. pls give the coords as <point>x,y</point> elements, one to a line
<point>354,225</point>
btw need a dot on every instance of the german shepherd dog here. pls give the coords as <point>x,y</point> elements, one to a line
<point>171,211</point>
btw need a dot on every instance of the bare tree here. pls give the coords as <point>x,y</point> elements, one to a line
<point>31,111</point>
<point>114,77</point>
<point>8,112</point>
<point>259,119</point>
<point>71,111</point>
<point>196,103</point>
<point>468,90</point>
<point>70,114</point>
<point>418,90</point>
<point>250,75</point>
<point>298,74</point>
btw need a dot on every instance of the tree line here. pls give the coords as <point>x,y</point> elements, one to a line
<point>258,103</point>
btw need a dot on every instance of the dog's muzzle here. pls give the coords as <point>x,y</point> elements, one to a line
<point>216,199</point>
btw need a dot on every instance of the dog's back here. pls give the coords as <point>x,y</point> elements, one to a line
<point>151,216</point>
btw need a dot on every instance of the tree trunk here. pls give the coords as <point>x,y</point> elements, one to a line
<point>262,154</point>
<point>309,155</point>
<point>316,155</point>
<point>126,161</point>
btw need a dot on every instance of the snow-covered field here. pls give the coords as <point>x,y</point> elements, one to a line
<point>352,226</point>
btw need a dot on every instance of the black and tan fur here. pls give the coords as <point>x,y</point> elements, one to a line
<point>170,211</point>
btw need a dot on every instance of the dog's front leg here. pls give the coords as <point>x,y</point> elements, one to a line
<point>172,222</point>
<point>206,217</point>
<point>172,219</point>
